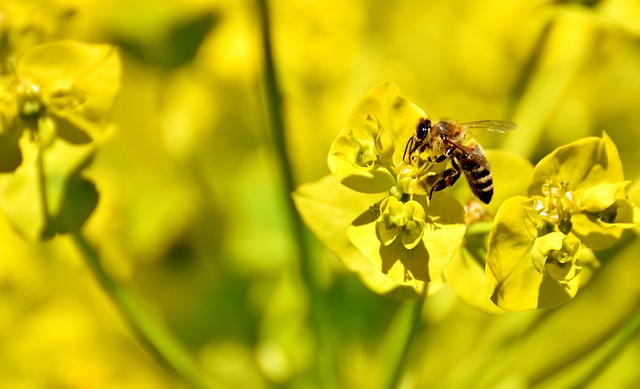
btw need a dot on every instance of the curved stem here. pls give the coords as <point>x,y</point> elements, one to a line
<point>399,341</point>
<point>156,339</point>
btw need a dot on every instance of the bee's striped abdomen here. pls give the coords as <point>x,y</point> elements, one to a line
<point>478,177</point>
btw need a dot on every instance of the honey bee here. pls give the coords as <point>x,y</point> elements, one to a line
<point>445,140</point>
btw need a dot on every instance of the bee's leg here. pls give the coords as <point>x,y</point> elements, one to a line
<point>443,157</point>
<point>449,177</point>
<point>440,158</point>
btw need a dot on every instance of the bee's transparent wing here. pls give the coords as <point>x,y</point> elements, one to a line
<point>488,129</point>
<point>479,157</point>
<point>475,152</point>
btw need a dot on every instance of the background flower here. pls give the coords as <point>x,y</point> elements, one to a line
<point>533,260</point>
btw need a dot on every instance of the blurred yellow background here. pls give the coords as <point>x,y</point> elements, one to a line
<point>193,213</point>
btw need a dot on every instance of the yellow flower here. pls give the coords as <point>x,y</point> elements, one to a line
<point>404,219</point>
<point>401,240</point>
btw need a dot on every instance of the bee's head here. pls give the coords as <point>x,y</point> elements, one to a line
<point>418,140</point>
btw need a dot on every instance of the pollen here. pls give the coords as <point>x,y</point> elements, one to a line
<point>555,205</point>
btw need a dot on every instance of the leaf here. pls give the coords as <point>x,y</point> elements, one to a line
<point>73,129</point>
<point>10,154</point>
<point>21,199</point>
<point>77,81</point>
<point>517,284</point>
<point>594,235</point>
<point>511,174</point>
<point>593,170</point>
<point>69,199</point>
<point>601,196</point>
<point>465,274</point>
<point>583,163</point>
<point>605,213</point>
<point>8,105</point>
<point>78,202</point>
<point>328,208</point>
<point>174,46</point>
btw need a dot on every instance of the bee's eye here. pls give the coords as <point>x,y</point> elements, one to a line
<point>423,129</point>
<point>421,132</point>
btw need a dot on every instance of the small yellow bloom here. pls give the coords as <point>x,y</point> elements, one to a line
<point>401,219</point>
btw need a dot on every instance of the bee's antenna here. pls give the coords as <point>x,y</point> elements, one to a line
<point>407,147</point>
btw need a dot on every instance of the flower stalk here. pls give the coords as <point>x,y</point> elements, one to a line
<point>162,345</point>
<point>307,268</point>
<point>400,340</point>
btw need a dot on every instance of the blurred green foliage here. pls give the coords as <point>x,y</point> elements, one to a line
<point>193,215</point>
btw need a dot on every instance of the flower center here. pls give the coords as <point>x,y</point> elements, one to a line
<point>29,100</point>
<point>404,219</point>
<point>554,207</point>
<point>367,154</point>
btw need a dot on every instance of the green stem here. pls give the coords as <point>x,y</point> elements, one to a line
<point>522,141</point>
<point>563,46</point>
<point>309,274</point>
<point>157,339</point>
<point>276,117</point>
<point>399,340</point>
<point>274,108</point>
<point>615,349</point>
<point>529,68</point>
<point>43,186</point>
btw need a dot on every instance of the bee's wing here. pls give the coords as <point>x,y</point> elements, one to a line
<point>498,126</point>
<point>475,152</point>
<point>486,129</point>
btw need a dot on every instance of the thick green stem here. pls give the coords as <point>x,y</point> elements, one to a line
<point>308,272</point>
<point>156,339</point>
<point>399,341</point>
<point>275,116</point>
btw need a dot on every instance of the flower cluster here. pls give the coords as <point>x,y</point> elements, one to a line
<point>403,239</point>
<point>524,251</point>
<point>55,97</point>
<point>577,203</point>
